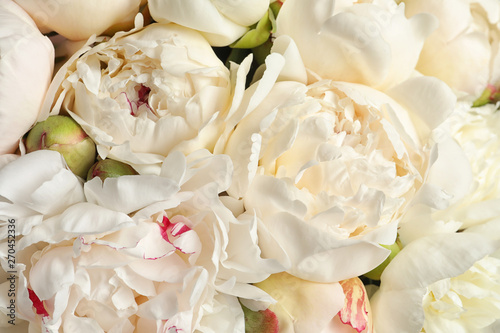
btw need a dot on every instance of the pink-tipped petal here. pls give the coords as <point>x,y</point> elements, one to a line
<point>354,312</point>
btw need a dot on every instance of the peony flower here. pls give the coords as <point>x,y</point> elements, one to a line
<point>440,283</point>
<point>332,167</point>
<point>304,306</point>
<point>371,43</point>
<point>476,130</point>
<point>463,51</point>
<point>140,94</point>
<point>26,64</point>
<point>465,303</point>
<point>80,19</point>
<point>142,254</point>
<point>221,22</point>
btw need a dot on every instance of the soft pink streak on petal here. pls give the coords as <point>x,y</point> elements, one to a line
<point>354,312</point>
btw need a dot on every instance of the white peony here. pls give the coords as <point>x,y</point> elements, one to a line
<point>80,19</point>
<point>140,94</point>
<point>26,64</point>
<point>442,283</point>
<point>476,130</point>
<point>463,51</point>
<point>465,303</point>
<point>330,168</point>
<point>220,21</point>
<point>143,254</point>
<point>371,43</point>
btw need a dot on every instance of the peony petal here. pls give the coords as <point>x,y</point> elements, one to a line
<point>294,69</point>
<point>79,20</point>
<point>129,193</point>
<point>21,178</point>
<point>86,218</point>
<point>26,53</point>
<point>303,306</point>
<point>355,310</point>
<point>356,42</point>
<point>81,325</point>
<point>450,165</point>
<point>53,273</point>
<point>317,256</point>
<point>429,99</point>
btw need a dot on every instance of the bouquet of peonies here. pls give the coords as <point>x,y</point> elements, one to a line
<point>252,166</point>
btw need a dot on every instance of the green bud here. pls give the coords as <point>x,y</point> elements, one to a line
<point>489,95</point>
<point>110,169</point>
<point>260,321</point>
<point>375,273</point>
<point>64,135</point>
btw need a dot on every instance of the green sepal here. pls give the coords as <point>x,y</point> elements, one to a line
<point>489,95</point>
<point>257,35</point>
<point>260,321</point>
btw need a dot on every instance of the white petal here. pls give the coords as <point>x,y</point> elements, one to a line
<point>54,272</point>
<point>429,99</point>
<point>318,255</point>
<point>26,65</point>
<point>303,306</point>
<point>129,193</point>
<point>86,218</point>
<point>78,20</point>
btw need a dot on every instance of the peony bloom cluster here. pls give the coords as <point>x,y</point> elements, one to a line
<point>259,166</point>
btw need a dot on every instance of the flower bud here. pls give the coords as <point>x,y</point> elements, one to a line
<point>260,321</point>
<point>375,273</point>
<point>110,168</point>
<point>490,94</point>
<point>64,135</point>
